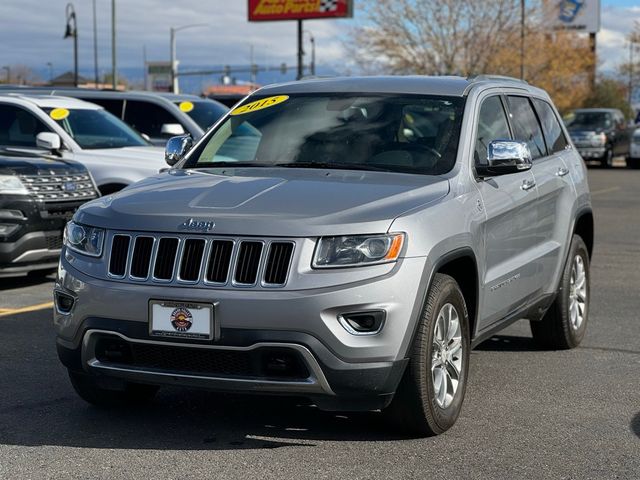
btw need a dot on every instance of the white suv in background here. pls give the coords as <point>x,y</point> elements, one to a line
<point>77,130</point>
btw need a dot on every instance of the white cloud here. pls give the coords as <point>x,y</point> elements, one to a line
<point>612,45</point>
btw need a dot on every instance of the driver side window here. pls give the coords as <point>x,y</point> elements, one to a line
<point>492,125</point>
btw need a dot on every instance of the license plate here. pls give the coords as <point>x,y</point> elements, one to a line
<point>181,319</point>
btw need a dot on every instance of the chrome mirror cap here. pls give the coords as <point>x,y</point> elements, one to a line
<point>177,148</point>
<point>504,157</point>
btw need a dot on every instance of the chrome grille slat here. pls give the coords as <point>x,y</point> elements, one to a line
<point>50,188</point>
<point>183,259</point>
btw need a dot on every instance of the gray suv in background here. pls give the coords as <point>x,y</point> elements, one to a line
<point>346,240</point>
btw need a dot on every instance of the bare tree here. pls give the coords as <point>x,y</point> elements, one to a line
<point>433,36</point>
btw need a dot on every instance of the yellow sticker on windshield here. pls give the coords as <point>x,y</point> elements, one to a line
<point>186,107</point>
<point>59,113</point>
<point>260,104</point>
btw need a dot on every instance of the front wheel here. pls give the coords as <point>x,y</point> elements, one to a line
<point>429,397</point>
<point>565,324</point>
<point>633,163</point>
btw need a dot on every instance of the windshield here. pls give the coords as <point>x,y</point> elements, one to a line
<point>93,129</point>
<point>205,112</point>
<point>588,120</point>
<point>410,134</point>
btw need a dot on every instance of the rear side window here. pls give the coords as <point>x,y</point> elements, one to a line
<point>18,127</point>
<point>114,107</point>
<point>553,134</point>
<point>147,117</point>
<point>525,125</point>
<point>492,125</point>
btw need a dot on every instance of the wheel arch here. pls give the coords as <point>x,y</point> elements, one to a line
<point>584,227</point>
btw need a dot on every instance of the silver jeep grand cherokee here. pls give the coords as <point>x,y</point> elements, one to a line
<point>346,240</point>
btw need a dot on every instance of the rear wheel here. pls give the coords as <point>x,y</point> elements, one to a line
<point>429,397</point>
<point>607,160</point>
<point>565,324</point>
<point>132,393</point>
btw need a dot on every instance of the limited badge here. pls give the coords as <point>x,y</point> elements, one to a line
<point>59,113</point>
<point>260,104</point>
<point>181,319</point>
<point>186,107</point>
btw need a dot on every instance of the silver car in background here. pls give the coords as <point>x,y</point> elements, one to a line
<point>347,240</point>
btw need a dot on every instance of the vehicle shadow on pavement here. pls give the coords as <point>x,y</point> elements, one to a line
<point>38,407</point>
<point>509,343</point>
<point>9,283</point>
<point>635,425</point>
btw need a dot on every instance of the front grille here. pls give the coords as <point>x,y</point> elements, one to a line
<point>275,363</point>
<point>54,240</point>
<point>248,263</point>
<point>210,261</point>
<point>57,188</point>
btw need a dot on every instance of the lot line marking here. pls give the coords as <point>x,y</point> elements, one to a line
<point>605,190</point>
<point>31,308</point>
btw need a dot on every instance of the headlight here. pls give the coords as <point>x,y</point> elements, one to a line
<point>10,185</point>
<point>83,239</point>
<point>357,250</point>
<point>599,140</point>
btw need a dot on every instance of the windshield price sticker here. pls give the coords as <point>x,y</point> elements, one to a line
<point>260,104</point>
<point>59,113</point>
<point>186,107</point>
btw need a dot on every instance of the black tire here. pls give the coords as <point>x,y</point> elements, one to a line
<point>607,160</point>
<point>132,393</point>
<point>415,409</point>
<point>633,163</point>
<point>556,329</point>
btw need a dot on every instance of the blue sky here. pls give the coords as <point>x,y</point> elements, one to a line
<point>31,33</point>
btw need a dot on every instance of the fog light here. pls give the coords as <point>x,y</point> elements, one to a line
<point>363,323</point>
<point>64,302</point>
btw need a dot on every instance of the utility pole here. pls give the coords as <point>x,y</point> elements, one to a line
<point>312,65</point>
<point>522,24</point>
<point>50,65</point>
<point>300,52</point>
<point>95,44</point>
<point>592,44</point>
<point>114,68</point>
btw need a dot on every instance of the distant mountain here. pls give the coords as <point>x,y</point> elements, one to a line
<point>196,84</point>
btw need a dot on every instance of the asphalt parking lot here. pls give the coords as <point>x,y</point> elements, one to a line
<point>528,413</point>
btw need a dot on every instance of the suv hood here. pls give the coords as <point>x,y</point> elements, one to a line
<point>26,165</point>
<point>265,201</point>
<point>127,154</point>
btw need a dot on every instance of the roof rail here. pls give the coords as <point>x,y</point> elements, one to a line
<point>502,78</point>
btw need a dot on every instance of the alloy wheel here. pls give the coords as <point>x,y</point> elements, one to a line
<point>447,354</point>
<point>577,292</point>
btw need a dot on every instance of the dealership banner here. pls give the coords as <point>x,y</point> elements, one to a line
<point>265,10</point>
<point>577,15</point>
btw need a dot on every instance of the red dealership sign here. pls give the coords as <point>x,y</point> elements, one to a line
<point>264,10</point>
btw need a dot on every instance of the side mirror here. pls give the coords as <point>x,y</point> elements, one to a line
<point>504,157</point>
<point>172,129</point>
<point>177,148</point>
<point>48,141</point>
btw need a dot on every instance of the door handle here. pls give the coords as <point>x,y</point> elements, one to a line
<point>528,184</point>
<point>562,171</point>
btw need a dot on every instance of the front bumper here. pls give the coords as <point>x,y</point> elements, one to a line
<point>343,371</point>
<point>592,153</point>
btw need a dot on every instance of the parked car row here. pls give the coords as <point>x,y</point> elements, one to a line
<point>62,148</point>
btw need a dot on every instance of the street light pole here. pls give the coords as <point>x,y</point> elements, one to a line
<point>300,51</point>
<point>175,88</point>
<point>72,31</point>
<point>95,45</point>
<point>50,65</point>
<point>8,69</point>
